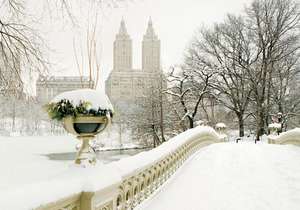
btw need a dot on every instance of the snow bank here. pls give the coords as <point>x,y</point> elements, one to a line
<point>97,98</point>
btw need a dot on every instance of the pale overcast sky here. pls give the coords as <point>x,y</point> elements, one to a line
<point>175,22</point>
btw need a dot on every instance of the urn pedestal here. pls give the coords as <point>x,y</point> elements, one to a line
<point>85,128</point>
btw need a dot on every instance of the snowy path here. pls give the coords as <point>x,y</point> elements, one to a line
<point>230,176</point>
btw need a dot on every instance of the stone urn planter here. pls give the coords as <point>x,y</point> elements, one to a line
<point>83,113</point>
<point>274,128</point>
<point>221,129</point>
<point>85,128</point>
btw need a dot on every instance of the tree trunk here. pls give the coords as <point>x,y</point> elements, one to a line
<point>120,134</point>
<point>161,113</point>
<point>156,140</point>
<point>260,122</point>
<point>241,125</point>
<point>13,127</point>
<point>191,122</point>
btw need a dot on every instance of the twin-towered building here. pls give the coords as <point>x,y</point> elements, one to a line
<point>128,85</point>
<point>124,85</point>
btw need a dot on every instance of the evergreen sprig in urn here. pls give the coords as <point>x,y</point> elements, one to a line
<point>84,113</point>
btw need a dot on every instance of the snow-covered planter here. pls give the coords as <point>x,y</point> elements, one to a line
<point>200,123</point>
<point>82,102</point>
<point>274,128</point>
<point>289,137</point>
<point>84,113</point>
<point>221,126</point>
<point>221,129</point>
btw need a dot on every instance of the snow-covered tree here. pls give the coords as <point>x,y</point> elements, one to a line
<point>255,56</point>
<point>220,49</point>
<point>151,120</point>
<point>274,27</point>
<point>189,85</point>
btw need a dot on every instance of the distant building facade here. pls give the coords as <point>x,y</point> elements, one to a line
<point>48,87</point>
<point>128,85</point>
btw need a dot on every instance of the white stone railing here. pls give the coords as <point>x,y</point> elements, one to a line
<point>289,137</point>
<point>124,184</point>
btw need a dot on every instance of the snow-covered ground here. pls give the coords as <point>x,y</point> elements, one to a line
<point>230,176</point>
<point>27,169</point>
<point>225,176</point>
<point>25,160</point>
<point>233,135</point>
<point>31,179</point>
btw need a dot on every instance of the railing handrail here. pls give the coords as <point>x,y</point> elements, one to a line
<point>160,152</point>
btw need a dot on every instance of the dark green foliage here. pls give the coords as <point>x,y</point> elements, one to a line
<point>64,108</point>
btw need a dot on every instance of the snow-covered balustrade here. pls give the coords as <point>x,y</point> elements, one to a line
<point>120,185</point>
<point>144,173</point>
<point>289,137</point>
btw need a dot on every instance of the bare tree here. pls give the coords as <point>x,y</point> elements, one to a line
<point>91,59</point>
<point>22,51</point>
<point>188,87</point>
<point>254,56</point>
<point>274,26</point>
<point>20,45</point>
<point>285,98</point>
<point>226,50</point>
<point>150,120</point>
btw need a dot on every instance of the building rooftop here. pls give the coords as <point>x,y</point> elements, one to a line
<point>63,78</point>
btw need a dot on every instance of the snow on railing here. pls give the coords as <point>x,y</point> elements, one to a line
<point>289,137</point>
<point>120,185</point>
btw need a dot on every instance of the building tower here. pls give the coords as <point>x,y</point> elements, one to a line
<point>122,50</point>
<point>150,50</point>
